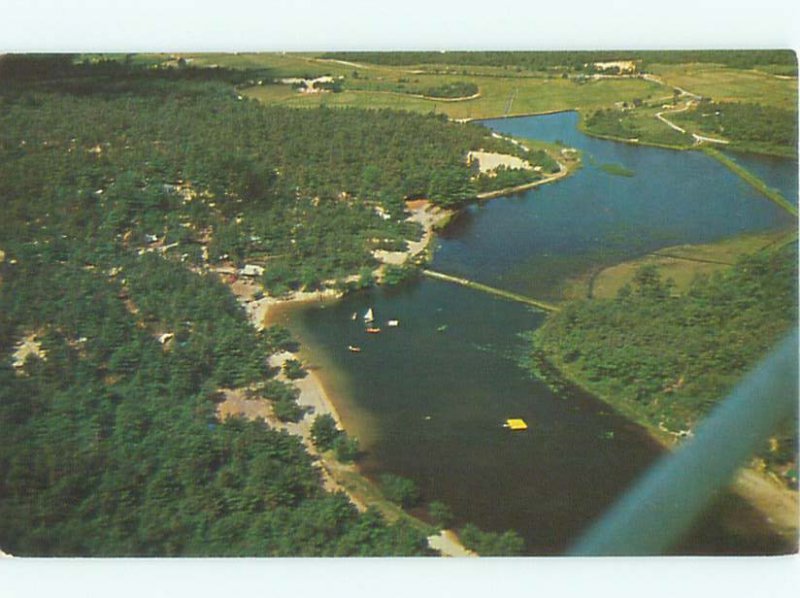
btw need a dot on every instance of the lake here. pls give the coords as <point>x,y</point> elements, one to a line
<point>427,398</point>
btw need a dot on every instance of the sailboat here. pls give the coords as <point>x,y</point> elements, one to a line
<point>369,316</point>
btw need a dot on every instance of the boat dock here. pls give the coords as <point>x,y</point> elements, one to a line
<point>464,282</point>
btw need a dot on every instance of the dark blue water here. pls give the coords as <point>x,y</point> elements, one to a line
<point>432,395</point>
<point>533,242</point>
<point>428,398</point>
<point>772,170</point>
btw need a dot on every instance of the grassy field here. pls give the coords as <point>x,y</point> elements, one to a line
<point>682,263</point>
<point>731,85</point>
<point>498,96</point>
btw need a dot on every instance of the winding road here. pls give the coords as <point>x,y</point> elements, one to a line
<point>698,139</point>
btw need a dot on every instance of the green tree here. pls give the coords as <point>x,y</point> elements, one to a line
<point>509,543</point>
<point>400,490</point>
<point>293,368</point>
<point>288,411</point>
<point>346,448</point>
<point>440,513</point>
<point>324,432</point>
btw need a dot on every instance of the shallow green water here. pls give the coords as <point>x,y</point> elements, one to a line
<point>428,398</point>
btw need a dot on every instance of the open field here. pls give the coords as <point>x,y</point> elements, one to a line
<point>369,86</point>
<point>498,96</point>
<point>681,263</point>
<point>731,85</point>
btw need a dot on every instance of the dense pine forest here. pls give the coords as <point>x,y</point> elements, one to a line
<point>120,186</point>
<point>169,154</point>
<point>665,359</point>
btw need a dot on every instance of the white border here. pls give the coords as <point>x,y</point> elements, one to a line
<point>295,25</point>
<point>231,25</point>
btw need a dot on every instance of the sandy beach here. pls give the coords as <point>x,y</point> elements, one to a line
<point>426,215</point>
<point>562,172</point>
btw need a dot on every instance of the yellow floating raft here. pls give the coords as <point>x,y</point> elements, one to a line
<point>516,424</point>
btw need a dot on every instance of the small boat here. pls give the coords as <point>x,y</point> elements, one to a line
<point>373,330</point>
<point>353,349</point>
<point>393,323</point>
<point>369,316</point>
<point>354,317</point>
<point>442,328</point>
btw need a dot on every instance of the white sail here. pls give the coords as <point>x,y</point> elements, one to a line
<point>368,317</point>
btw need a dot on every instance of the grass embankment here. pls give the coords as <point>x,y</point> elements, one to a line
<point>752,180</point>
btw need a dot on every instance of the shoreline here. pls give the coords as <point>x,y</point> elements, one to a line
<point>776,503</point>
<point>337,476</point>
<point>347,477</point>
<point>562,172</point>
<point>522,115</point>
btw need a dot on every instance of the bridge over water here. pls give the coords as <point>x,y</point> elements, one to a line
<point>471,284</point>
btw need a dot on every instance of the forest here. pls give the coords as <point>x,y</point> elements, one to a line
<point>121,186</point>
<point>457,89</point>
<point>745,124</point>
<point>612,122</point>
<point>666,359</point>
<point>298,188</point>
<point>111,443</point>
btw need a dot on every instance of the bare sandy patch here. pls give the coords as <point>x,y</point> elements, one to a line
<point>448,544</point>
<point>238,404</point>
<point>490,161</point>
<point>772,499</point>
<point>28,345</point>
<point>423,212</point>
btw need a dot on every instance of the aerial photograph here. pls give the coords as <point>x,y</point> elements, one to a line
<point>399,303</point>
